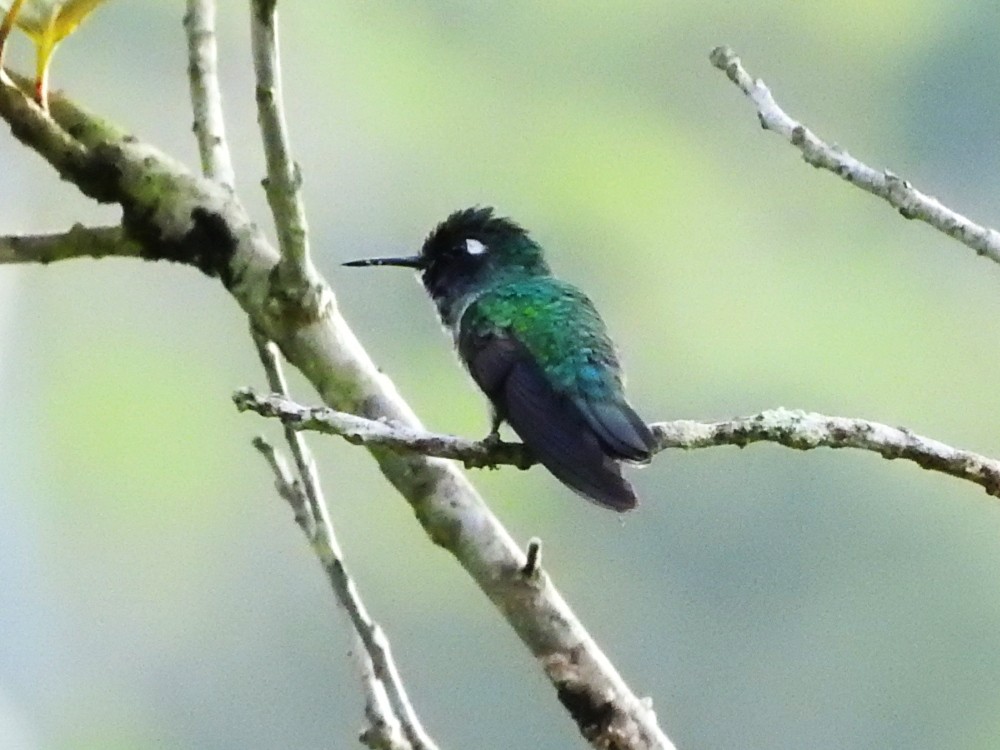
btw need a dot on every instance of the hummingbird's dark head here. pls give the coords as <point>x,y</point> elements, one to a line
<point>474,247</point>
<point>470,250</point>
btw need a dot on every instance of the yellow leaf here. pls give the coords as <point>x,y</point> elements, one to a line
<point>47,22</point>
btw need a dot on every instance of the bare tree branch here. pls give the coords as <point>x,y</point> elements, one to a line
<point>78,242</point>
<point>385,731</point>
<point>30,124</point>
<point>899,193</point>
<point>180,217</point>
<point>360,431</point>
<point>287,486</point>
<point>206,96</point>
<point>284,178</point>
<point>394,723</point>
<point>791,428</point>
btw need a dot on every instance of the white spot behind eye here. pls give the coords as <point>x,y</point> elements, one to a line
<point>474,247</point>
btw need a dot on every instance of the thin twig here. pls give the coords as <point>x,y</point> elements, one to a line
<point>384,731</point>
<point>327,549</point>
<point>393,721</point>
<point>361,431</point>
<point>284,178</point>
<point>287,486</point>
<point>206,95</point>
<point>899,193</point>
<point>791,428</point>
<point>386,703</point>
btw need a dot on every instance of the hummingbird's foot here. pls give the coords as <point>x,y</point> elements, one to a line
<point>533,558</point>
<point>490,443</point>
<point>492,440</point>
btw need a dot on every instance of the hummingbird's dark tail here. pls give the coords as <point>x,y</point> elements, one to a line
<point>581,450</point>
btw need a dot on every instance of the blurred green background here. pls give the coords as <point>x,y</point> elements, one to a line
<point>154,592</point>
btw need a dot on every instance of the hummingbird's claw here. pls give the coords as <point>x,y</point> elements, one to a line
<point>492,440</point>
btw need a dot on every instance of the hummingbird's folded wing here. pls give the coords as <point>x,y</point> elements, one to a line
<point>618,427</point>
<point>550,423</point>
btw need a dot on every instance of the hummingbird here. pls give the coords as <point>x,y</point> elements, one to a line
<point>537,348</point>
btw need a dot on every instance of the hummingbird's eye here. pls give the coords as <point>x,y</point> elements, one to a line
<point>474,247</point>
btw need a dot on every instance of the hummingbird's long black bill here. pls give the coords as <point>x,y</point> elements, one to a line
<point>413,261</point>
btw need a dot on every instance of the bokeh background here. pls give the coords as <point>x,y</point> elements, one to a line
<point>154,592</point>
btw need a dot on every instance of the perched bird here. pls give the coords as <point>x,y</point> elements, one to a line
<point>47,22</point>
<point>537,348</point>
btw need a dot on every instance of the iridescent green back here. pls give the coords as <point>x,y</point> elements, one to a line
<point>559,327</point>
